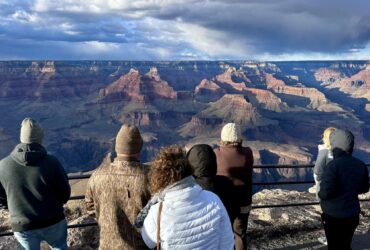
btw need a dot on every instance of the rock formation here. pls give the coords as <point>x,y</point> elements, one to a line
<point>137,88</point>
<point>233,79</point>
<point>229,108</point>
<point>317,100</point>
<point>43,81</point>
<point>266,99</point>
<point>357,85</point>
<point>208,91</point>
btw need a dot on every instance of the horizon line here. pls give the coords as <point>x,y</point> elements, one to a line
<point>210,60</point>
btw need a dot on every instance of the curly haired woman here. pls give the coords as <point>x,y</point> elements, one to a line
<point>182,215</point>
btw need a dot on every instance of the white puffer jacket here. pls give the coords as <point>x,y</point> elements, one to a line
<point>191,218</point>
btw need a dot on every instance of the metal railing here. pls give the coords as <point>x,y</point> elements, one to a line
<point>276,183</point>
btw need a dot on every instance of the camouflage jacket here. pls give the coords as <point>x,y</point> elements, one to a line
<point>115,195</point>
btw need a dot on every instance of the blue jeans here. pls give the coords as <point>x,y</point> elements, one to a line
<point>55,236</point>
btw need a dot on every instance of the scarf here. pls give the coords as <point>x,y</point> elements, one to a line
<point>159,197</point>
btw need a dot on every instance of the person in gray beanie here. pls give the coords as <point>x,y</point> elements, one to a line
<point>343,179</point>
<point>36,187</point>
<point>31,132</point>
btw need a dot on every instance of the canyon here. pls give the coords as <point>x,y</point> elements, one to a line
<point>281,107</point>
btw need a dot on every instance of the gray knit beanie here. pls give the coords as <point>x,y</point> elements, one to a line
<point>31,131</point>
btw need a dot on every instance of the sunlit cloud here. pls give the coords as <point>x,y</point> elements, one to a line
<point>25,17</point>
<point>100,47</point>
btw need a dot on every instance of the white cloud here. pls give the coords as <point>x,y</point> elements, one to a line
<point>69,28</point>
<point>189,55</point>
<point>92,6</point>
<point>354,50</point>
<point>212,43</point>
<point>98,47</point>
<point>25,17</point>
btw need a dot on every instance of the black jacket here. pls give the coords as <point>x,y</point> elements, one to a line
<point>343,178</point>
<point>3,202</point>
<point>204,165</point>
<point>36,187</point>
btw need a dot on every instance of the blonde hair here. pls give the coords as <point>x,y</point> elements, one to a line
<point>326,136</point>
<point>169,166</point>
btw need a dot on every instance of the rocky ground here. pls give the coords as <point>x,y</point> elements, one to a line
<point>269,228</point>
<point>296,227</point>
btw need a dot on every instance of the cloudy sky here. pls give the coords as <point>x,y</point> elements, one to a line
<point>184,29</point>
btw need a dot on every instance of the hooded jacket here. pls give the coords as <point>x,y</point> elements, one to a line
<point>115,195</point>
<point>236,162</point>
<point>343,178</point>
<point>36,187</point>
<point>204,165</point>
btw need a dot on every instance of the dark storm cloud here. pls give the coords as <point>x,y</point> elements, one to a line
<point>286,26</point>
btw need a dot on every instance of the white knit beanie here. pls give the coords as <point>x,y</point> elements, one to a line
<point>230,133</point>
<point>31,131</point>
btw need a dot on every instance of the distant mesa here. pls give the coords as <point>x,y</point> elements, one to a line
<point>229,108</point>
<point>230,81</point>
<point>266,100</point>
<point>44,81</point>
<point>212,90</point>
<point>36,68</point>
<point>236,108</point>
<point>138,88</point>
<point>317,99</point>
<point>233,78</point>
<point>327,75</point>
<point>357,85</point>
<point>208,91</point>
<point>206,85</point>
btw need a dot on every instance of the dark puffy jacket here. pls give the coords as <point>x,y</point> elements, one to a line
<point>343,179</point>
<point>36,187</point>
<point>203,162</point>
<point>237,163</point>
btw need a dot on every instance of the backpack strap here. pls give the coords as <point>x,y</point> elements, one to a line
<point>159,226</point>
